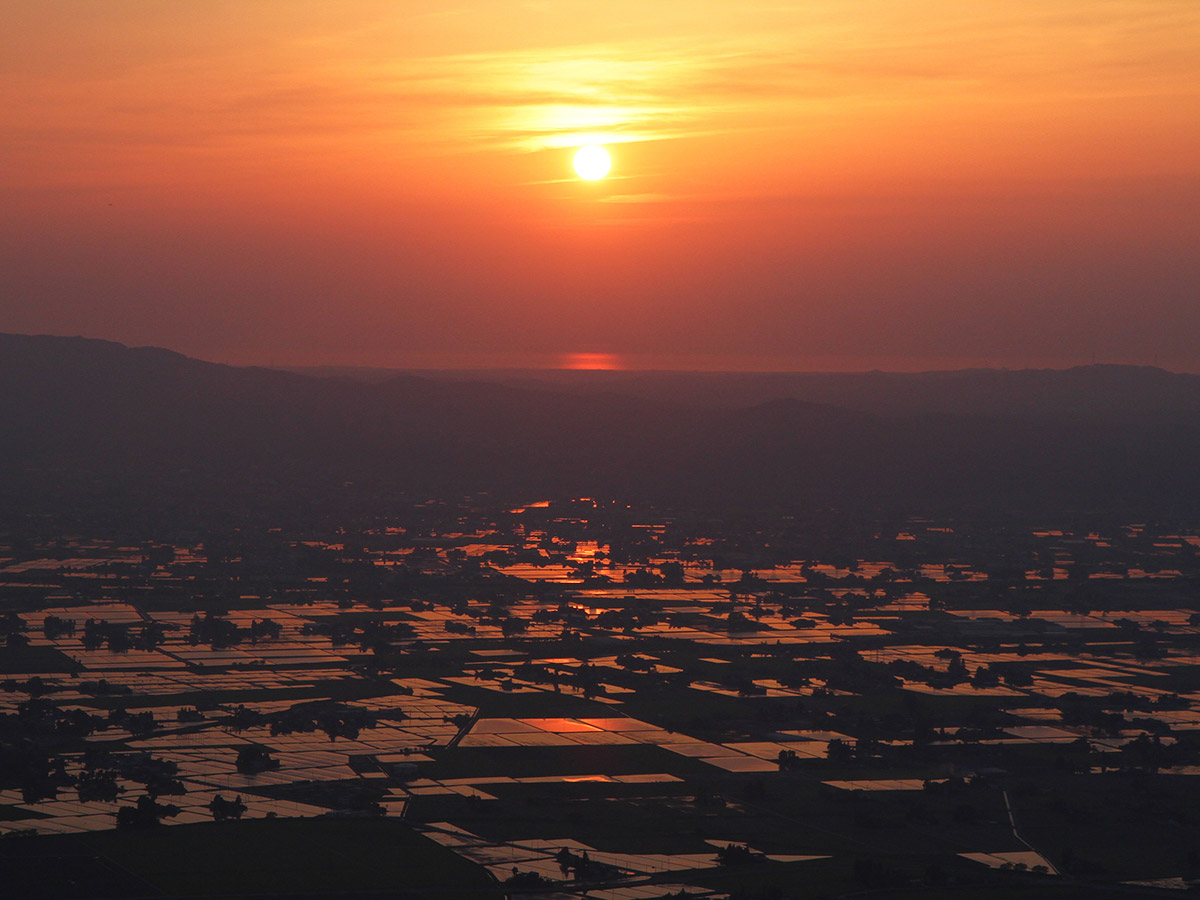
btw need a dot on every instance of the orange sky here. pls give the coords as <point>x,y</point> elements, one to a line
<point>824,184</point>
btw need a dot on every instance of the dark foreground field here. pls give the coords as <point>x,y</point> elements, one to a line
<point>327,858</point>
<point>260,858</point>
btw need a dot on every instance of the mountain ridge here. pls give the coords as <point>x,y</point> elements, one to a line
<point>87,419</point>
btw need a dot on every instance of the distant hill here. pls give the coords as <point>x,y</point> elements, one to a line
<point>1104,392</point>
<point>91,425</point>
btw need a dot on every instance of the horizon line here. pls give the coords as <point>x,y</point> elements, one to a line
<point>596,363</point>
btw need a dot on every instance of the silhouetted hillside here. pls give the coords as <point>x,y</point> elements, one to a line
<point>1103,392</point>
<point>90,424</point>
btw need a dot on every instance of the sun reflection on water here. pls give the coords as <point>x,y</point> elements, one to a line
<point>591,361</point>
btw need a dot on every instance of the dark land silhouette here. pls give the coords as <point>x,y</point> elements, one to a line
<point>91,424</point>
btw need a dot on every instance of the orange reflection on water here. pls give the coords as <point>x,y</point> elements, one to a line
<point>591,361</point>
<point>559,726</point>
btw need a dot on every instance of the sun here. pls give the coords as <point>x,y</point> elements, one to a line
<point>592,163</point>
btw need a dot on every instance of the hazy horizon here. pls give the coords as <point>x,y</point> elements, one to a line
<point>633,363</point>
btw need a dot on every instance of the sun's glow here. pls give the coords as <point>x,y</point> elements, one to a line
<point>591,362</point>
<point>592,162</point>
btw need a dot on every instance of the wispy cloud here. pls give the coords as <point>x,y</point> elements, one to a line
<point>853,59</point>
<point>644,90</point>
